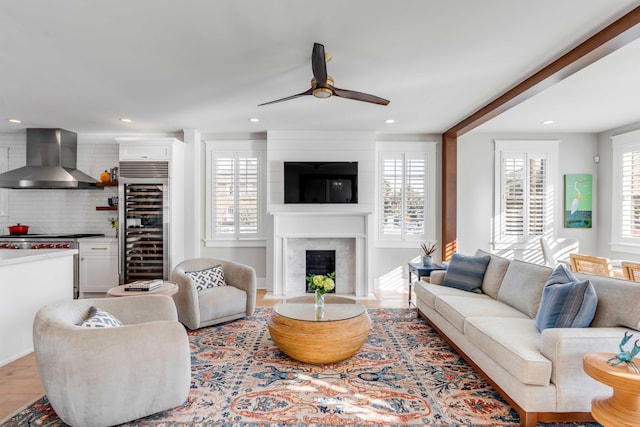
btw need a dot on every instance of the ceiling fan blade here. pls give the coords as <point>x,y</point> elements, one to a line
<point>319,64</point>
<point>306,92</point>
<point>359,96</point>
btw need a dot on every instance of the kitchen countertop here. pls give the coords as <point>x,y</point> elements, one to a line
<point>17,256</point>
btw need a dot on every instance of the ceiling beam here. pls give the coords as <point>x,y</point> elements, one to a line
<point>611,38</point>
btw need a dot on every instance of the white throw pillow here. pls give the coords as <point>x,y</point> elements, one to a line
<point>207,278</point>
<point>100,319</point>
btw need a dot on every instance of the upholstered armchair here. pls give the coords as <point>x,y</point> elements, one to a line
<point>106,376</point>
<point>197,309</point>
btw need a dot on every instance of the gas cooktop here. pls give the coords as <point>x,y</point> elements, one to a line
<point>51,236</point>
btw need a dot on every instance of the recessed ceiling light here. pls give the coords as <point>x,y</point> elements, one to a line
<point>15,121</point>
<point>125,120</point>
<point>389,121</point>
<point>548,122</point>
<point>254,120</point>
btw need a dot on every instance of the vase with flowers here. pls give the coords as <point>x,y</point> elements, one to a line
<point>321,284</point>
<point>427,252</point>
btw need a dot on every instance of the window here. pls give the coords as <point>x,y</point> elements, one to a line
<point>625,211</point>
<point>406,192</point>
<point>525,181</point>
<point>234,200</point>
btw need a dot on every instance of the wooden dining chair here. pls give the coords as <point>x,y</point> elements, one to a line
<point>581,263</point>
<point>631,270</point>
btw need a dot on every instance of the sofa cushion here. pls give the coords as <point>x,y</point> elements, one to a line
<point>522,286</point>
<point>466,272</point>
<point>566,301</point>
<point>615,301</point>
<point>456,308</point>
<point>494,274</point>
<point>221,301</point>
<point>513,344</point>
<point>428,292</point>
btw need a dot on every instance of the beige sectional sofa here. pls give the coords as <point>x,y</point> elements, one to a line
<point>539,373</point>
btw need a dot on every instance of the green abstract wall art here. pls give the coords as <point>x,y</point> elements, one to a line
<point>577,201</point>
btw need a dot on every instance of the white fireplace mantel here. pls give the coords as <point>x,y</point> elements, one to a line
<point>321,230</point>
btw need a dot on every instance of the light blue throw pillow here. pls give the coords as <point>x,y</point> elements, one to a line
<point>466,272</point>
<point>566,301</point>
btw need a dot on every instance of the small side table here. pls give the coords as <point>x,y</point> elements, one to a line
<point>422,270</point>
<point>623,408</point>
<point>167,288</point>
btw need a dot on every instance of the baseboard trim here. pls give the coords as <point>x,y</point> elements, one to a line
<point>527,419</point>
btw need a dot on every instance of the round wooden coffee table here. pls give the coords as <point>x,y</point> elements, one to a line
<point>623,408</point>
<point>167,288</point>
<point>315,337</point>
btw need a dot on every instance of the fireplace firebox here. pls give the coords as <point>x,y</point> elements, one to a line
<point>320,262</point>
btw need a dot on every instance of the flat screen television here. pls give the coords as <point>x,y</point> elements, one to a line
<point>321,182</point>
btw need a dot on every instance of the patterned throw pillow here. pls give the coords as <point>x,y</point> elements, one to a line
<point>466,272</point>
<point>566,301</point>
<point>207,278</point>
<point>100,319</point>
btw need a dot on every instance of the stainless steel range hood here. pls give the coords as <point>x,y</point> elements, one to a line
<point>51,163</point>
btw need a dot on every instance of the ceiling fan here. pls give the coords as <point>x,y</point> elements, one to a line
<point>322,84</point>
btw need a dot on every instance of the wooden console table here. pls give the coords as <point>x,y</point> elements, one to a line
<point>623,408</point>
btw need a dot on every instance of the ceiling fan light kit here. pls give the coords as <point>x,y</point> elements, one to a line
<point>322,84</point>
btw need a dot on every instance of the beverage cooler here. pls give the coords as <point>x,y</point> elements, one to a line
<point>145,231</point>
<point>144,223</point>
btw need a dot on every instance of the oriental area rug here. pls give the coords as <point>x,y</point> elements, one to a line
<point>404,375</point>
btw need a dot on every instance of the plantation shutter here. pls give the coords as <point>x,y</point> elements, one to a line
<point>630,211</point>
<point>247,200</point>
<point>415,195</point>
<point>514,195</point>
<point>525,198</point>
<point>403,196</point>
<point>537,196</point>
<point>392,193</point>
<point>235,198</point>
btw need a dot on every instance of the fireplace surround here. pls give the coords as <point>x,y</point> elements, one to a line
<point>345,233</point>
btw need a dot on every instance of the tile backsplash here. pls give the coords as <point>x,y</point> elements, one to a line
<point>64,211</point>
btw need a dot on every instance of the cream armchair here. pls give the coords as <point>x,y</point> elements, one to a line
<point>218,304</point>
<point>107,376</point>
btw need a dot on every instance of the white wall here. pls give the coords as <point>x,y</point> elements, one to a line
<point>389,266</point>
<point>322,147</point>
<point>476,187</point>
<point>605,185</point>
<point>67,211</point>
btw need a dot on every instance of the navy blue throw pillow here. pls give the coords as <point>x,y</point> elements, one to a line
<point>466,272</point>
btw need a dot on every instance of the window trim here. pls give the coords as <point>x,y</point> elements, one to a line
<point>621,144</point>
<point>550,148</point>
<point>428,149</point>
<point>255,147</point>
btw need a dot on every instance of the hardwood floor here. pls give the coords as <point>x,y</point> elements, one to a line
<point>20,382</point>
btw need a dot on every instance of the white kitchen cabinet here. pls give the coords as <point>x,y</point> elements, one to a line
<point>145,150</point>
<point>98,270</point>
